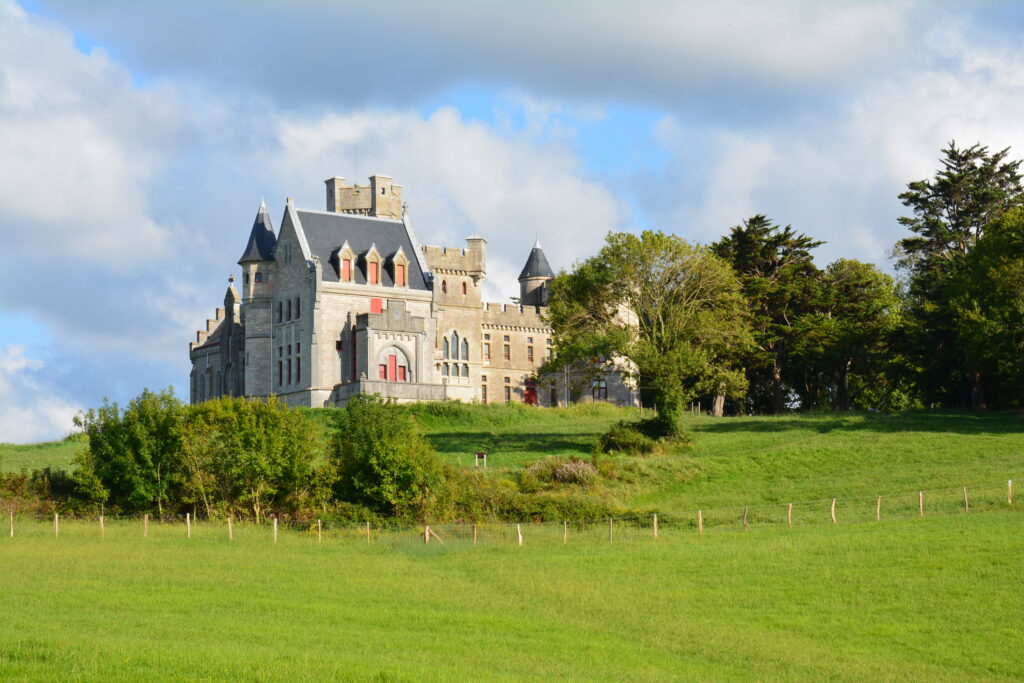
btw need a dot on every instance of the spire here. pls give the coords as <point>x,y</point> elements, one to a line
<point>536,264</point>
<point>261,239</point>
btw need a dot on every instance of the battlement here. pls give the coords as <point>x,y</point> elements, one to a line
<point>469,261</point>
<point>512,315</point>
<point>380,198</point>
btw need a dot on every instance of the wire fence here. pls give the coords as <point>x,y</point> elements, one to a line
<point>826,511</point>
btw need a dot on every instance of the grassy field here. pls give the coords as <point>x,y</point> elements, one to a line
<point>918,599</point>
<point>56,454</point>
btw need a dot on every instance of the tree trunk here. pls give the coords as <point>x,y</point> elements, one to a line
<point>776,384</point>
<point>718,409</point>
<point>843,392</point>
<point>977,392</point>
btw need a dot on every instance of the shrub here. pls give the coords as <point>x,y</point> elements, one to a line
<point>626,437</point>
<point>576,472</point>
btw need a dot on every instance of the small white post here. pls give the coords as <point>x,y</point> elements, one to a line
<point>103,533</point>
<point>967,506</point>
<point>744,517</point>
<point>565,531</point>
<point>275,529</point>
<point>56,525</point>
<point>188,525</point>
<point>231,530</point>
<point>700,522</point>
<point>145,525</point>
<point>655,526</point>
<point>519,534</point>
<point>426,535</point>
<point>319,531</point>
<point>920,502</point>
<point>878,509</point>
<point>833,511</point>
<point>474,534</point>
<point>609,529</point>
<point>367,532</point>
<point>1009,491</point>
<point>789,516</point>
<point>11,512</point>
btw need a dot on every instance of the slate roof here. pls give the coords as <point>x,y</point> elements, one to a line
<point>536,264</point>
<point>327,232</point>
<point>261,238</point>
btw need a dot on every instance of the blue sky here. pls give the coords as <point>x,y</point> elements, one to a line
<point>139,138</point>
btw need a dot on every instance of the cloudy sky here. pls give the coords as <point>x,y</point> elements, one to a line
<point>137,139</point>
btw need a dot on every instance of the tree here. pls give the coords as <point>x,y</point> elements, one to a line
<point>674,310</point>
<point>951,213</point>
<point>848,332</point>
<point>778,277</point>
<point>382,459</point>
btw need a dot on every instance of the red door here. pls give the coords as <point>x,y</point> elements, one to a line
<point>392,367</point>
<point>530,395</point>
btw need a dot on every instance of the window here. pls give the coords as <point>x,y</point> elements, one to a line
<point>399,275</point>
<point>338,346</point>
<point>280,372</point>
<point>298,308</point>
<point>298,348</point>
<point>289,349</point>
<point>245,278</point>
<point>382,190</point>
<point>259,277</point>
<point>376,305</point>
<point>455,345</point>
<point>280,351</point>
<point>529,340</point>
<point>374,269</point>
<point>444,286</point>
<point>298,369</point>
<point>382,371</point>
<point>465,349</point>
<point>487,336</point>
<point>463,289</point>
<point>506,338</point>
<point>279,304</point>
<point>529,354</point>
<point>599,389</point>
<point>444,348</point>
<point>346,270</point>
<point>487,351</point>
<point>444,370</point>
<point>289,311</point>
<point>508,394</point>
<point>401,373</point>
<point>465,370</point>
<point>507,352</point>
<point>289,371</point>
<point>554,397</point>
<point>483,393</point>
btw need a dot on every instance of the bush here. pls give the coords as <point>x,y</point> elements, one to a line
<point>636,438</point>
<point>382,459</point>
<point>576,472</point>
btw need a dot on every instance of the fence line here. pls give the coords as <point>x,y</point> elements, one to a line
<point>825,510</point>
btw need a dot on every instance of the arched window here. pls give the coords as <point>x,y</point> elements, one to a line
<point>393,365</point>
<point>463,289</point>
<point>455,345</point>
<point>444,286</point>
<point>465,349</point>
<point>444,348</point>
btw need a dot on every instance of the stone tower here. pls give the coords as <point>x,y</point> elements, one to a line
<point>257,297</point>
<point>533,281</point>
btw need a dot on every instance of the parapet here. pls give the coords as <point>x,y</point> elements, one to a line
<point>471,261</point>
<point>512,315</point>
<point>380,198</point>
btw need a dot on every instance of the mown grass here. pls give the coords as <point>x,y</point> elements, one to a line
<point>918,599</point>
<point>54,454</point>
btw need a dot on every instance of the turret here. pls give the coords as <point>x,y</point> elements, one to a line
<point>533,281</point>
<point>257,295</point>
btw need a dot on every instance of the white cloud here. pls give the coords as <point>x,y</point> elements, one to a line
<point>30,409</point>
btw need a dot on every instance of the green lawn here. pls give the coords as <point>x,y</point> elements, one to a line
<point>56,454</point>
<point>917,599</point>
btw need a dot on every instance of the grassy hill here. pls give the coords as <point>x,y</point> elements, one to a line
<point>55,454</point>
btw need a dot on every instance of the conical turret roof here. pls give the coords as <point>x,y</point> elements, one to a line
<point>536,264</point>
<point>261,240</point>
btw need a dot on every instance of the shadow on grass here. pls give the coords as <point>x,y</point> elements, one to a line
<point>469,442</point>
<point>951,422</point>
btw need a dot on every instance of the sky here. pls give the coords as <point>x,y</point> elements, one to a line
<point>138,139</point>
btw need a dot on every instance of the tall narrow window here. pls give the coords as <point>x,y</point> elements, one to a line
<point>463,289</point>
<point>487,351</point>
<point>289,310</point>
<point>382,371</point>
<point>444,348</point>
<point>507,352</point>
<point>401,373</point>
<point>529,354</point>
<point>465,349</point>
<point>399,275</point>
<point>346,270</point>
<point>483,393</point>
<point>298,308</point>
<point>455,345</point>
<point>465,370</point>
<point>374,268</point>
<point>444,286</point>
<point>444,370</point>
<point>279,304</point>
<point>298,369</point>
<point>289,371</point>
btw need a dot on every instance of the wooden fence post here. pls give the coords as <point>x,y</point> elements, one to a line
<point>188,525</point>
<point>789,516</point>
<point>1009,491</point>
<point>744,517</point>
<point>103,532</point>
<point>878,509</point>
<point>56,525</point>
<point>231,530</point>
<point>145,525</point>
<point>565,531</point>
<point>920,502</point>
<point>655,526</point>
<point>11,512</point>
<point>275,529</point>
<point>367,532</point>
<point>967,506</point>
<point>474,534</point>
<point>833,511</point>
<point>519,534</point>
<point>609,529</point>
<point>700,522</point>
<point>319,531</point>
<point>426,535</point>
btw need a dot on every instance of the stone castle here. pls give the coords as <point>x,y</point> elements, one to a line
<point>346,301</point>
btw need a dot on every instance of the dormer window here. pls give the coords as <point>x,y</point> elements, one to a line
<point>374,276</point>
<point>373,260</point>
<point>399,268</point>
<point>342,257</point>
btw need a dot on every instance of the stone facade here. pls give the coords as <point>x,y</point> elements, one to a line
<point>346,301</point>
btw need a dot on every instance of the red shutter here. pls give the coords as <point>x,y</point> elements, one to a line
<point>400,275</point>
<point>374,272</point>
<point>401,373</point>
<point>346,270</point>
<point>376,305</point>
<point>392,368</point>
<point>382,371</point>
